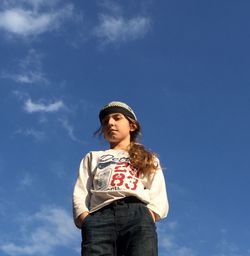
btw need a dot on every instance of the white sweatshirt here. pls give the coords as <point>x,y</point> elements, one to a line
<point>106,176</point>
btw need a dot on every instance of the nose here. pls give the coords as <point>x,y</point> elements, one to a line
<point>111,121</point>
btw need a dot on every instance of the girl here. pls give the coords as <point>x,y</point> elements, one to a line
<point>120,192</point>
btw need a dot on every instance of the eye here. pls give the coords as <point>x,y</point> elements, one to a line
<point>118,117</point>
<point>105,121</point>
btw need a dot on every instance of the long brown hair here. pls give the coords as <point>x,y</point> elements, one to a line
<point>141,159</point>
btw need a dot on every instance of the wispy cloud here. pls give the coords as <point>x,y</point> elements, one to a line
<point>114,26</point>
<point>26,181</point>
<point>35,134</point>
<point>172,248</point>
<point>31,18</point>
<point>228,248</point>
<point>32,107</point>
<point>36,4</point>
<point>168,241</point>
<point>172,225</point>
<point>28,70</point>
<point>69,129</point>
<point>111,6</point>
<point>43,233</point>
<point>117,29</point>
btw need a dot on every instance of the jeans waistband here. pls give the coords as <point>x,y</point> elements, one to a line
<point>127,200</point>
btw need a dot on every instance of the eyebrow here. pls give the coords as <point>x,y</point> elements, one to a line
<point>112,115</point>
<point>115,114</point>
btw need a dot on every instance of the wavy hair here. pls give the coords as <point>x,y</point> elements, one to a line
<point>141,159</point>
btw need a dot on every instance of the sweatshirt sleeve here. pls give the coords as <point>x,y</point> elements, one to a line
<point>158,194</point>
<point>81,193</point>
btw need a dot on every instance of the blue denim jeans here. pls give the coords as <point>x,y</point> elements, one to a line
<point>123,228</point>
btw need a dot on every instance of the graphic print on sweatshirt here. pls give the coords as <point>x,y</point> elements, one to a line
<point>115,173</point>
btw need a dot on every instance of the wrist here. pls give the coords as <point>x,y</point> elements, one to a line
<point>153,215</point>
<point>82,216</point>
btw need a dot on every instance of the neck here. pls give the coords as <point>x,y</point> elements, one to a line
<point>121,146</point>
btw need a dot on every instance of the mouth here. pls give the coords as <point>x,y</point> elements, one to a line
<point>111,131</point>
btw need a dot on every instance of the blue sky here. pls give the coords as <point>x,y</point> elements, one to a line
<point>184,68</point>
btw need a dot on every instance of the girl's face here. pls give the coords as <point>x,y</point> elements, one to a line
<point>116,129</point>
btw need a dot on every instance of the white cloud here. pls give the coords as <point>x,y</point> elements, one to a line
<point>45,231</point>
<point>31,18</point>
<point>22,22</point>
<point>112,29</point>
<point>32,107</point>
